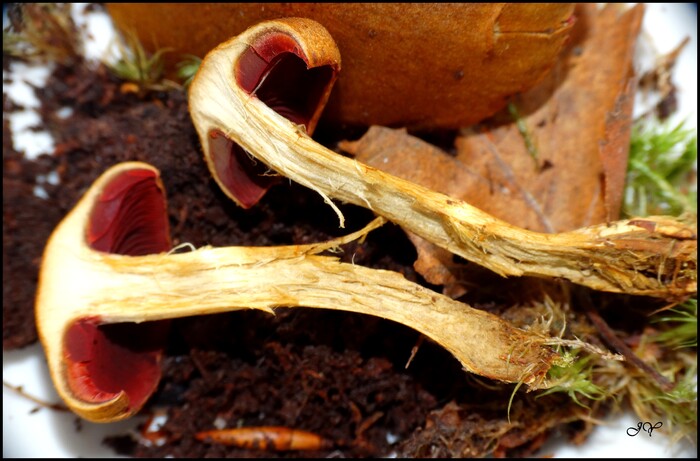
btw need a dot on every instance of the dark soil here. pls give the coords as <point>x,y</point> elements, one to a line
<point>337,374</point>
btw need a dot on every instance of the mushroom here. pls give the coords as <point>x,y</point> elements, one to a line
<point>271,71</point>
<point>108,285</point>
<point>653,256</point>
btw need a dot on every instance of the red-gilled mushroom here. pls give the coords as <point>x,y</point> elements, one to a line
<point>107,282</point>
<point>298,89</point>
<point>105,369</point>
<point>653,256</point>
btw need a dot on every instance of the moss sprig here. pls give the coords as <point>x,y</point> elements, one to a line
<point>144,71</point>
<point>661,175</point>
<point>574,376</point>
<point>681,324</point>
<point>187,68</point>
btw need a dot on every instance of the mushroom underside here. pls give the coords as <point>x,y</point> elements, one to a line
<point>275,71</point>
<point>103,360</point>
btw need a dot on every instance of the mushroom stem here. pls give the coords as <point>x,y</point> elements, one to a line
<point>82,291</point>
<point>654,256</point>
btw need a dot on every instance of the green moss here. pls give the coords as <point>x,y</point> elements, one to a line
<point>524,132</point>
<point>139,67</point>
<point>574,376</point>
<point>661,175</point>
<point>187,68</point>
<point>680,326</point>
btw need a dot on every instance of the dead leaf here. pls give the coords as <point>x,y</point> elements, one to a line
<point>437,266</point>
<point>656,84</point>
<point>579,121</point>
<point>406,156</point>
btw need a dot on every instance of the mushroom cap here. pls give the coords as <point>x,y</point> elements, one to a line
<point>290,65</point>
<point>103,372</point>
